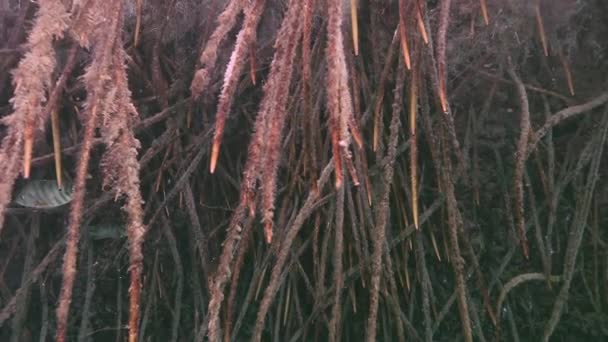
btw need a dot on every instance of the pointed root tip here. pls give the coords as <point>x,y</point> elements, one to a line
<point>268,232</point>
<point>252,75</point>
<point>484,13</point>
<point>250,204</point>
<point>357,138</point>
<point>215,151</point>
<point>369,194</point>
<point>315,188</point>
<point>27,157</point>
<point>443,100</point>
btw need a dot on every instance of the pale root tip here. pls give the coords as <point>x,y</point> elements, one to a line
<point>444,103</point>
<point>268,233</point>
<point>338,183</point>
<point>443,99</point>
<point>215,151</point>
<point>27,158</point>
<point>358,140</point>
<point>484,13</point>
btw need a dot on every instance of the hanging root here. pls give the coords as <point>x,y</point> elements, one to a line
<point>455,225</point>
<point>337,267</point>
<point>522,146</point>
<point>222,274</point>
<point>311,80</point>
<point>208,57</point>
<point>306,88</point>
<point>420,22</point>
<point>277,116</point>
<point>355,25</point>
<point>121,157</point>
<point>32,81</point>
<point>484,11</point>
<point>292,232</point>
<point>444,19</point>
<point>382,211</point>
<point>541,29</point>
<point>567,73</point>
<point>247,234</point>
<point>244,41</point>
<point>403,35</point>
<point>577,228</point>
<point>95,83</point>
<point>339,99</point>
<point>380,94</point>
<point>414,143</point>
